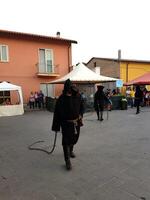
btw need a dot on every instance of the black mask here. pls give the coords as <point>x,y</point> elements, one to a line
<point>67,86</point>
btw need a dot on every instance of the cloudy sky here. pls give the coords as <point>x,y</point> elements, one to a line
<point>100,27</point>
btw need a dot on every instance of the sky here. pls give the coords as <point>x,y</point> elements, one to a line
<point>101,27</point>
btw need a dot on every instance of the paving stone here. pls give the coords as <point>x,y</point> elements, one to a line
<point>112,163</point>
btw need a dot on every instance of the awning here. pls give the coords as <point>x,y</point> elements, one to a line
<point>141,80</point>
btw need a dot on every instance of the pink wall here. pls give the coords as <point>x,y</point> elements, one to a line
<point>23,57</point>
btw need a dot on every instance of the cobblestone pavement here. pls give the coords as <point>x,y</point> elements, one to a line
<point>112,163</point>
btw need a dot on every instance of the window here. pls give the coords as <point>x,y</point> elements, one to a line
<point>4,95</point>
<point>45,61</point>
<point>3,53</point>
<point>47,89</point>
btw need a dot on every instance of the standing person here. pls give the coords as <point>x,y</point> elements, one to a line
<point>31,100</point>
<point>138,98</point>
<point>83,97</point>
<point>128,96</point>
<point>36,99</point>
<point>147,96</point>
<point>132,94</point>
<point>68,116</point>
<point>99,100</point>
<point>108,95</point>
<point>41,99</point>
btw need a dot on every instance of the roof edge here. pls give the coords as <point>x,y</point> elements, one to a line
<point>119,60</point>
<point>15,33</point>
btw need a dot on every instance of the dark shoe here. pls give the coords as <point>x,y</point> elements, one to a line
<point>101,119</point>
<point>72,154</point>
<point>137,112</point>
<point>68,165</point>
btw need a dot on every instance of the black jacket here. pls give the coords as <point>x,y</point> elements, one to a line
<point>68,109</point>
<point>100,98</point>
<point>138,94</point>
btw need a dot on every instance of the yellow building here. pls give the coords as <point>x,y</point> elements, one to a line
<point>124,69</point>
<point>130,70</point>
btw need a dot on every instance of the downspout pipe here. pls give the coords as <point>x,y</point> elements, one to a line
<point>69,58</point>
<point>127,72</point>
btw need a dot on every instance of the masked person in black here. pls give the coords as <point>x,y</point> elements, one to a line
<point>68,116</point>
<point>138,98</point>
<point>99,101</point>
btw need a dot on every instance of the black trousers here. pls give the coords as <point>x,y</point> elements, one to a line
<point>70,136</point>
<point>99,108</point>
<point>138,106</point>
<point>67,149</point>
<point>31,104</point>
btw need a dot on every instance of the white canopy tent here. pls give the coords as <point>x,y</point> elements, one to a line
<point>10,110</point>
<point>82,74</point>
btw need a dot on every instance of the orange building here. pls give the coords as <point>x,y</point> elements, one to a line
<point>32,61</point>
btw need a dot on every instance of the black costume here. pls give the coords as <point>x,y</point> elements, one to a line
<point>138,98</point>
<point>67,116</point>
<point>99,101</point>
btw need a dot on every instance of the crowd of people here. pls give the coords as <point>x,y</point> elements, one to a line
<point>130,95</point>
<point>136,96</point>
<point>36,100</point>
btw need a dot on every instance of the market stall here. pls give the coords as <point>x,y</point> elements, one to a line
<point>11,100</point>
<point>85,79</point>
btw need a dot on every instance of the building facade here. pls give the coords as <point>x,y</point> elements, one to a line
<point>124,69</point>
<point>33,61</point>
<point>107,67</point>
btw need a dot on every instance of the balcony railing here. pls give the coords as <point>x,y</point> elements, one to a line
<point>41,71</point>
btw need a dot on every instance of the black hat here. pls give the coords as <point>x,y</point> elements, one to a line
<point>67,86</point>
<point>100,86</point>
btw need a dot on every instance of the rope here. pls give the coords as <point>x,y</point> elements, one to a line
<point>40,149</point>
